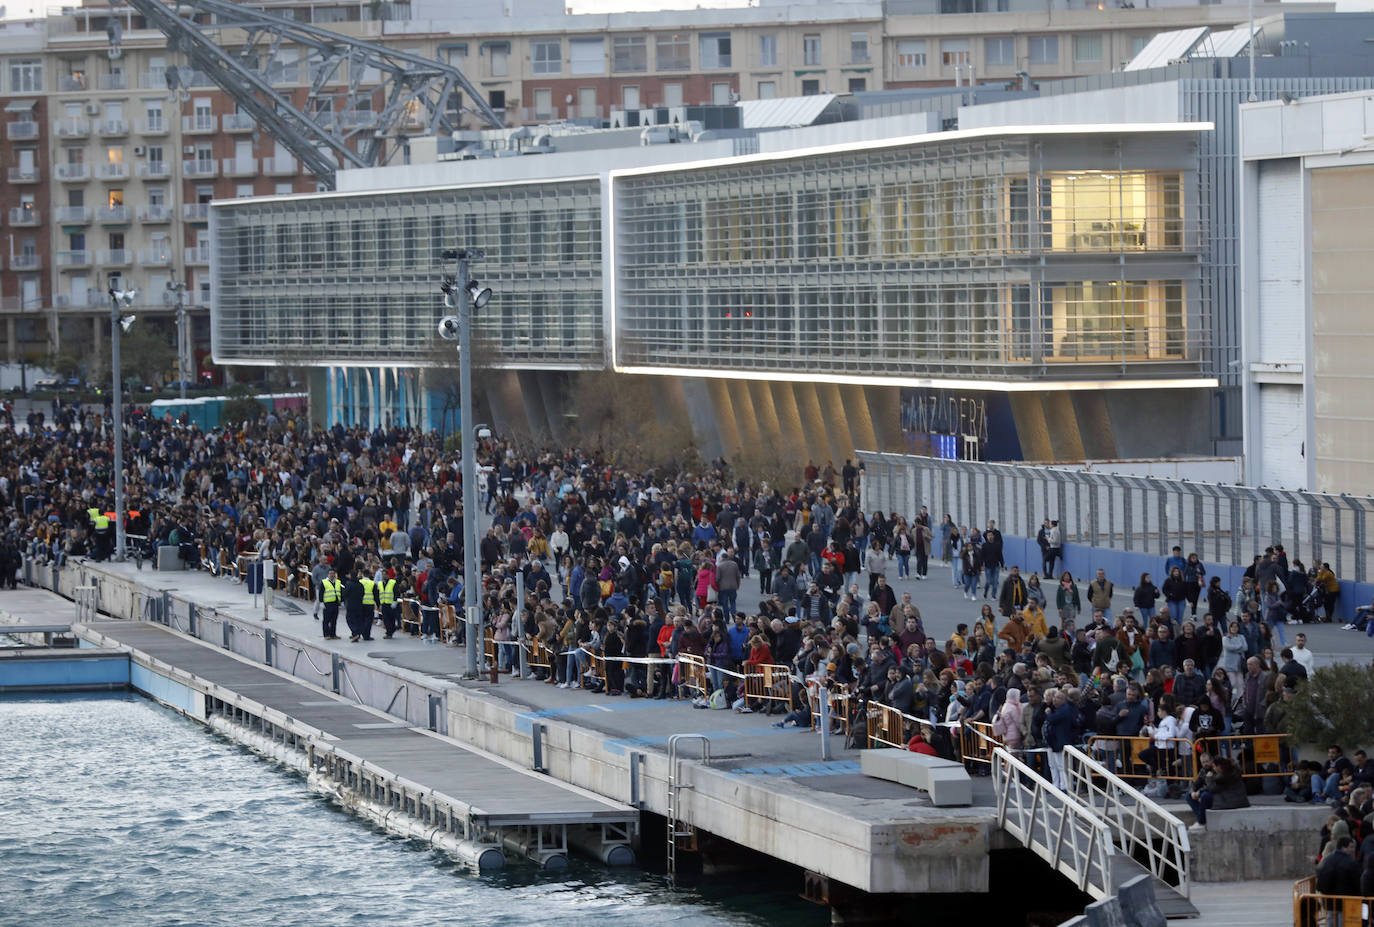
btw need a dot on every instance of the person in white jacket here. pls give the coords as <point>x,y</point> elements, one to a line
<point>1168,737</point>
<point>877,563</point>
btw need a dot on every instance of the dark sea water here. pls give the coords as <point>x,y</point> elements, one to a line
<point>117,811</point>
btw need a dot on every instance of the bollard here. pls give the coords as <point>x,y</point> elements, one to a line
<point>268,641</point>
<point>537,743</point>
<point>224,626</point>
<point>167,607</point>
<point>436,704</point>
<point>191,619</point>
<point>337,666</point>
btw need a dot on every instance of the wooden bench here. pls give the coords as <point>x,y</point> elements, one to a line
<point>945,781</point>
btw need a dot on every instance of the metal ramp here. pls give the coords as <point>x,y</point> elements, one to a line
<point>1093,849</point>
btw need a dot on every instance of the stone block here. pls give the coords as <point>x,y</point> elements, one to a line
<point>880,764</point>
<point>1138,906</point>
<point>1105,913</point>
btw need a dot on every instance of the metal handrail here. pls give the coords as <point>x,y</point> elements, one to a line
<point>1057,827</point>
<point>290,645</point>
<point>1139,825</point>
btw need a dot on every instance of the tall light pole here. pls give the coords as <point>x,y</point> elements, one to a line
<point>179,288</point>
<point>120,299</point>
<point>463,294</point>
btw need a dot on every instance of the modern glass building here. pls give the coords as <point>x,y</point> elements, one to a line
<point>998,257</point>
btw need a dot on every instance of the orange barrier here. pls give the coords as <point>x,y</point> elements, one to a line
<point>1313,909</point>
<point>410,618</point>
<point>769,682</point>
<point>539,656</point>
<point>886,726</point>
<point>692,673</point>
<point>1177,760</point>
<point>839,706</point>
<point>977,742</point>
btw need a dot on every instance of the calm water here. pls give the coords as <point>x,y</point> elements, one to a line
<point>116,811</point>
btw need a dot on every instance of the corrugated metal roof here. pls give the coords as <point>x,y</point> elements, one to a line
<point>783,112</point>
<point>1166,47</point>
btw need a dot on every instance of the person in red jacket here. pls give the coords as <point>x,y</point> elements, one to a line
<point>918,744</point>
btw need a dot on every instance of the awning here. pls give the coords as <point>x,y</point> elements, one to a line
<point>20,106</point>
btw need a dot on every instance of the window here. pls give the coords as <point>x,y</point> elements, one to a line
<point>954,52</point>
<point>721,94</point>
<point>586,103</point>
<point>586,56</point>
<point>115,198</point>
<point>810,87</point>
<point>497,99</point>
<point>498,59</point>
<point>999,51</point>
<point>1044,49</point>
<point>858,84</point>
<point>714,50</point>
<point>546,56</point>
<point>157,196</point>
<point>768,51</point>
<point>629,53</point>
<point>1087,48</point>
<point>456,55</point>
<point>116,240</point>
<point>911,53</point>
<point>114,155</point>
<point>152,113</point>
<point>811,50</point>
<point>283,189</point>
<point>672,53</point>
<point>26,75</point>
<point>767,90</point>
<point>1138,43</point>
<point>154,154</point>
<point>75,155</point>
<point>243,190</point>
<point>858,47</point>
<point>672,94</point>
<point>543,104</point>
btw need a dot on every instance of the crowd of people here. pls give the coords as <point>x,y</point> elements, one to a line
<point>638,569</point>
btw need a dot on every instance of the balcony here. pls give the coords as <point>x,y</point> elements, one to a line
<point>117,213</point>
<point>26,261</point>
<point>113,82</point>
<point>196,212</point>
<point>73,259</point>
<point>121,257</point>
<point>21,131</point>
<point>117,170</point>
<point>155,257</point>
<point>155,79</point>
<point>24,217</point>
<point>155,213</point>
<point>90,299</point>
<point>154,170</point>
<point>282,166</point>
<point>109,127</point>
<point>71,127</point>
<point>200,124</point>
<point>72,214</point>
<point>23,174</point>
<point>358,119</point>
<point>239,122</point>
<point>147,126</point>
<point>72,83</point>
<point>199,255</point>
<point>74,173</point>
<point>199,169</point>
<point>240,167</point>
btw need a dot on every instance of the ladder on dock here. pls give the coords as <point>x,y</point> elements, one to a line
<point>680,833</point>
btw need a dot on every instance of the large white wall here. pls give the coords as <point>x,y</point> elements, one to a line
<point>1143,103</point>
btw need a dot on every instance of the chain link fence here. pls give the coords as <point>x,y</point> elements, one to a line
<point>1224,524</point>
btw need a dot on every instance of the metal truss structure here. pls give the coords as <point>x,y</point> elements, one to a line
<point>361,94</point>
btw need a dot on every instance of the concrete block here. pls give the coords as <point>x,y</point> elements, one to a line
<point>1105,913</point>
<point>880,764</point>
<point>949,787</point>
<point>169,557</point>
<point>1138,906</point>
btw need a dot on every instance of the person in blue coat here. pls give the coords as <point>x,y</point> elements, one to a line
<point>1058,734</point>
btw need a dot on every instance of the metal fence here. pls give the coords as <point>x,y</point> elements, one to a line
<point>1140,514</point>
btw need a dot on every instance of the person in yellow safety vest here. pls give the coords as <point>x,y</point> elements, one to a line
<point>101,544</point>
<point>386,598</point>
<point>331,595</point>
<point>369,604</point>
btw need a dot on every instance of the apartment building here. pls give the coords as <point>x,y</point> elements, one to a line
<point>110,172</point>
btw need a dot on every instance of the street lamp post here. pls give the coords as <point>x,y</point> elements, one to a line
<point>179,288</point>
<point>463,294</point>
<point>120,299</point>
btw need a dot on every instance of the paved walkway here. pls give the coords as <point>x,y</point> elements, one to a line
<point>1244,904</point>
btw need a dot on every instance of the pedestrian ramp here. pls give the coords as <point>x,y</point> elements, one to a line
<point>1099,832</point>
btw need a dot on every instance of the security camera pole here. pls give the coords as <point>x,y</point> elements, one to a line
<point>116,296</point>
<point>461,300</point>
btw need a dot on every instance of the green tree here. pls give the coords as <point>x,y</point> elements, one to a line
<point>147,351</point>
<point>241,406</point>
<point>1333,707</point>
